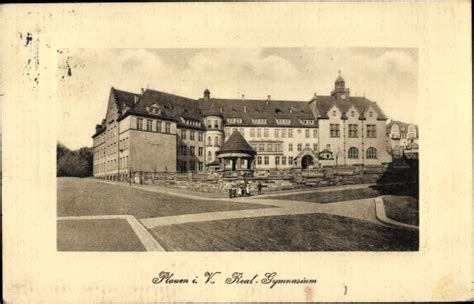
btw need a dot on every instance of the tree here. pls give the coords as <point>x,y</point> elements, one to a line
<point>73,163</point>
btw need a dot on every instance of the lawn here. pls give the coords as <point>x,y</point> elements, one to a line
<point>331,196</point>
<point>309,232</point>
<point>97,235</point>
<point>77,197</point>
<point>403,209</point>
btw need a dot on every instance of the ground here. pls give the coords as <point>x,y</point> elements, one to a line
<point>86,196</point>
<point>308,232</point>
<point>337,219</point>
<point>403,209</point>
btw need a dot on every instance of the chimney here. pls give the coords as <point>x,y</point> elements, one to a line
<point>269,97</point>
<point>135,99</point>
<point>243,96</point>
<point>143,90</point>
<point>98,127</point>
<point>103,121</point>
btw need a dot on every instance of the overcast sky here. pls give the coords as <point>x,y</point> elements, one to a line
<point>387,76</point>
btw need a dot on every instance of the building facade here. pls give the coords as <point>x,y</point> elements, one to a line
<point>401,136</point>
<point>159,132</point>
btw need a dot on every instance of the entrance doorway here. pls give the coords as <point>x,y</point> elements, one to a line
<point>306,161</point>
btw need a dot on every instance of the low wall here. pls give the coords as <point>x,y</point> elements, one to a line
<point>271,180</point>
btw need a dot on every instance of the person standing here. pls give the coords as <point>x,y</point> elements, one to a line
<point>259,188</point>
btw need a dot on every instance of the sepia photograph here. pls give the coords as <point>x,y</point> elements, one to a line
<point>238,149</point>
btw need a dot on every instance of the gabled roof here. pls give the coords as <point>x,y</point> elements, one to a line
<point>172,107</point>
<point>361,104</point>
<point>236,143</point>
<point>124,99</point>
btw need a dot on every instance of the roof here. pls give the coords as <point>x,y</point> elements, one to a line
<point>212,110</point>
<point>214,163</point>
<point>271,110</point>
<point>339,78</point>
<point>189,113</point>
<point>361,104</point>
<point>236,143</point>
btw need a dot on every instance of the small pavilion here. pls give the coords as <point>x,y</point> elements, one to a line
<point>238,152</point>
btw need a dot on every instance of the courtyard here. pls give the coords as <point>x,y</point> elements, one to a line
<point>96,215</point>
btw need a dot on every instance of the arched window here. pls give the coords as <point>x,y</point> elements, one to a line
<point>371,153</point>
<point>353,153</point>
<point>209,155</point>
<point>216,141</point>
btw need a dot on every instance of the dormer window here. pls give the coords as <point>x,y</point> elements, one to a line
<point>307,121</point>
<point>371,113</point>
<point>277,110</point>
<point>259,121</point>
<point>352,113</point>
<point>234,120</point>
<point>283,121</point>
<point>333,113</point>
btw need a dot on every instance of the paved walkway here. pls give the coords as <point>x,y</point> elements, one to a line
<point>362,209</point>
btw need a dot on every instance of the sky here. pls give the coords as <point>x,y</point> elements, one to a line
<point>388,76</point>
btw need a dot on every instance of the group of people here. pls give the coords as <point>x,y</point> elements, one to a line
<point>243,190</point>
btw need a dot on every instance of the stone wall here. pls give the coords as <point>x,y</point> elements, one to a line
<point>271,180</point>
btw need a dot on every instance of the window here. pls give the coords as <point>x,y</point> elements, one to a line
<point>209,156</point>
<point>283,133</point>
<point>277,160</point>
<point>334,130</point>
<point>371,153</point>
<point>353,153</point>
<point>216,141</point>
<point>299,148</point>
<point>191,135</point>
<point>290,147</point>
<point>192,166</point>
<point>306,146</point>
<point>139,123</point>
<point>261,147</point>
<point>265,132</point>
<point>333,113</point>
<point>200,166</point>
<point>353,131</point>
<point>306,133</point>
<point>183,134</point>
<point>315,147</point>
<point>283,160</point>
<point>269,147</point>
<point>167,127</point>
<point>371,131</point>
<point>209,123</point>
<point>191,151</point>
<point>252,132</point>
<point>259,121</point>
<point>216,124</point>
<point>200,151</point>
<point>184,150</point>
<point>149,125</point>
<point>259,132</point>
<point>290,133</point>
<point>234,120</point>
<point>290,160</point>
<point>371,114</point>
<point>158,126</point>
<point>209,141</point>
<point>259,160</point>
<point>307,121</point>
<point>266,160</point>
<point>315,133</point>
<point>277,133</point>
<point>200,136</point>
<point>278,147</point>
<point>352,113</point>
<point>281,121</point>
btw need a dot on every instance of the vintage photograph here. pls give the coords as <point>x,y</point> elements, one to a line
<point>238,149</point>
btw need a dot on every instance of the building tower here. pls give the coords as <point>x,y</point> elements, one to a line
<point>214,122</point>
<point>340,91</point>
